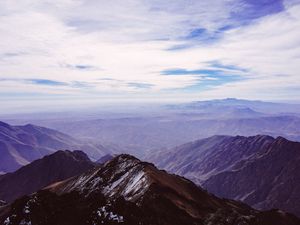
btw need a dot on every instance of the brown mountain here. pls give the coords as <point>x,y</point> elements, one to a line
<point>42,172</point>
<point>128,191</point>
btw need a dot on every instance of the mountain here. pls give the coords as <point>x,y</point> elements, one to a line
<point>260,170</point>
<point>142,132</point>
<point>270,179</point>
<point>219,109</point>
<point>20,145</point>
<point>129,191</point>
<point>105,158</point>
<point>203,158</point>
<point>42,172</point>
<point>145,134</point>
<point>256,105</point>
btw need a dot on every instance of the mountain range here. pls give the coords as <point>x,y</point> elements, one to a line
<point>213,143</point>
<point>128,191</point>
<point>227,103</point>
<point>20,145</point>
<point>140,133</point>
<point>261,171</point>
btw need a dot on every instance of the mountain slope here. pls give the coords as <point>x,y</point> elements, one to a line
<point>260,170</point>
<point>20,145</point>
<point>201,159</point>
<point>128,191</point>
<point>42,172</point>
<point>270,179</point>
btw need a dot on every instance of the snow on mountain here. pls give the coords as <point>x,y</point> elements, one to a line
<point>128,191</point>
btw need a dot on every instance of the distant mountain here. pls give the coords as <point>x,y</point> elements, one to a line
<point>20,145</point>
<point>132,192</point>
<point>142,135</point>
<point>256,105</point>
<point>259,170</point>
<point>105,158</point>
<point>42,172</point>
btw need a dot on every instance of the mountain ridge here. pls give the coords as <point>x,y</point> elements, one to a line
<point>189,158</point>
<point>260,170</point>
<point>128,191</point>
<point>271,178</point>
<point>20,145</point>
<point>42,172</point>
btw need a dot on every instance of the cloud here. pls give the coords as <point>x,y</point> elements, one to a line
<point>46,82</point>
<point>140,85</point>
<point>80,67</point>
<point>128,47</point>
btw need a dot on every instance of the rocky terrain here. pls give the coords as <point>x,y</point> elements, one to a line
<point>269,179</point>
<point>128,191</point>
<point>261,171</point>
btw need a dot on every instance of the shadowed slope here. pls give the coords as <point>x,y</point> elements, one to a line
<point>42,172</point>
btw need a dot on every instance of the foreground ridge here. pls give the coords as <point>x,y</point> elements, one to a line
<point>128,191</point>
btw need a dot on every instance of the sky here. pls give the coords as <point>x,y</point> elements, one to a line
<point>62,51</point>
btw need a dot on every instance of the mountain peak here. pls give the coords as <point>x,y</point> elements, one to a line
<point>128,160</point>
<point>126,157</point>
<point>124,175</point>
<point>75,155</point>
<point>128,191</point>
<point>281,139</point>
<point>42,172</point>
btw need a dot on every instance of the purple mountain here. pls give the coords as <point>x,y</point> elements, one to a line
<point>20,145</point>
<point>260,170</point>
<point>42,172</point>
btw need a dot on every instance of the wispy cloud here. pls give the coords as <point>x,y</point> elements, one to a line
<point>210,48</point>
<point>140,85</point>
<point>46,82</point>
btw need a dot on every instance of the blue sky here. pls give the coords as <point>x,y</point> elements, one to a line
<point>149,49</point>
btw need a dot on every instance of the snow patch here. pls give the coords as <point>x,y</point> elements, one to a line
<point>95,182</point>
<point>7,221</point>
<point>137,185</point>
<point>23,222</point>
<point>103,212</point>
<point>115,184</point>
<point>26,209</point>
<point>134,183</point>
